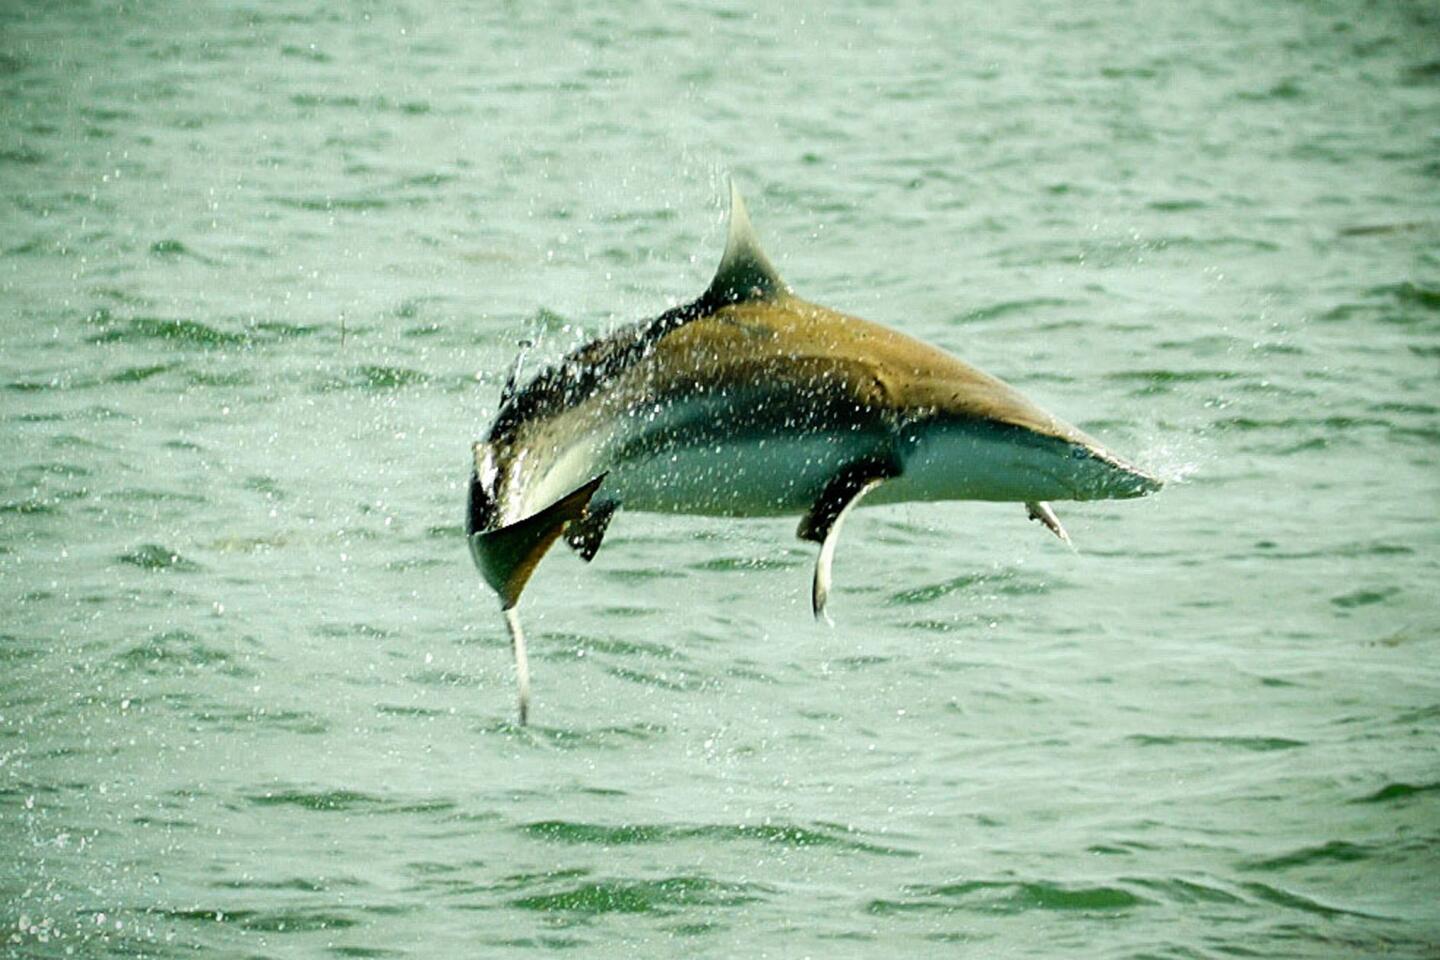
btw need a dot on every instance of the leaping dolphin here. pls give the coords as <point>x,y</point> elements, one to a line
<point>749,402</point>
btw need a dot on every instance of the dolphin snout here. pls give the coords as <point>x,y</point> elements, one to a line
<point>1110,478</point>
<point>1102,475</point>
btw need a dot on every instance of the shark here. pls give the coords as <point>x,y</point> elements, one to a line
<point>750,401</point>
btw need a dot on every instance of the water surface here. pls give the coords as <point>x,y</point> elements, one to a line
<point>264,268</point>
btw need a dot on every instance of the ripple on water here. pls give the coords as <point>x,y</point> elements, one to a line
<point>780,835</point>
<point>291,721</point>
<point>1006,307</point>
<point>157,557</point>
<point>1363,598</point>
<point>663,895</point>
<point>743,564</point>
<point>570,738</point>
<point>1294,901</point>
<point>1335,851</point>
<point>1183,891</point>
<point>178,652</point>
<point>1392,792</point>
<point>1252,744</point>
<point>1007,583</point>
<point>374,377</point>
<point>577,645</point>
<point>267,921</point>
<point>175,332</point>
<point>677,680</point>
<point>341,800</point>
<point>1011,897</point>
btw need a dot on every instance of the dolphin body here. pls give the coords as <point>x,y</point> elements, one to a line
<point>748,402</point>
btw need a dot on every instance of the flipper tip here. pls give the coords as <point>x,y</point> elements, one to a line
<point>522,663</point>
<point>1042,512</point>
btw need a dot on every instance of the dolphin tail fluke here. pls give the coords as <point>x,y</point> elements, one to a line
<point>508,556</point>
<point>822,523</point>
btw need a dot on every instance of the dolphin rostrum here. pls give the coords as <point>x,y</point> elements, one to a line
<point>748,402</point>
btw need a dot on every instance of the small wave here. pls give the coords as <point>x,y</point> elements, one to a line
<point>29,506</point>
<point>643,896</point>
<point>1295,901</point>
<point>1400,791</point>
<point>177,651</point>
<point>154,556</point>
<point>1006,583</point>
<point>138,374</point>
<point>417,563</point>
<point>1013,897</point>
<point>1254,744</point>
<point>1004,307</point>
<point>351,204</point>
<point>376,377</point>
<point>231,719</point>
<point>1156,381</point>
<point>276,330</point>
<point>408,712</point>
<point>1291,424</point>
<point>298,884</point>
<point>862,662</point>
<point>13,650</point>
<point>1410,293</point>
<point>1363,598</point>
<point>443,678</point>
<point>582,646</point>
<point>1176,890</point>
<point>319,800</point>
<point>1381,229</point>
<point>1176,206</point>
<point>309,52</point>
<point>679,681</point>
<point>267,921</point>
<point>310,101</point>
<point>22,156</point>
<point>185,333</point>
<point>1287,89</point>
<point>781,835</point>
<point>1421,73</point>
<point>635,575</point>
<point>1336,851</point>
<point>175,250</point>
<point>567,738</point>
<point>731,564</point>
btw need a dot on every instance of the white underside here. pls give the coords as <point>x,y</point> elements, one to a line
<point>783,473</point>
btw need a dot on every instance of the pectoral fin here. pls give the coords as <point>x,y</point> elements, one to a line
<point>1042,512</point>
<point>584,535</point>
<point>822,524</point>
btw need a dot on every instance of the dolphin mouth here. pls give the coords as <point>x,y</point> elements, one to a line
<point>1114,480</point>
<point>1124,481</point>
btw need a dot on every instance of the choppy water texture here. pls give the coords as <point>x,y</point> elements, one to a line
<point>264,267</point>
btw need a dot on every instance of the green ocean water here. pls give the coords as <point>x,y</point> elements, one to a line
<point>264,267</point>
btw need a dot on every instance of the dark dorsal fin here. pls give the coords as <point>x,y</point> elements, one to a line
<point>745,272</point>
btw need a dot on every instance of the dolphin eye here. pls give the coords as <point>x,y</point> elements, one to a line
<point>1079,453</point>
